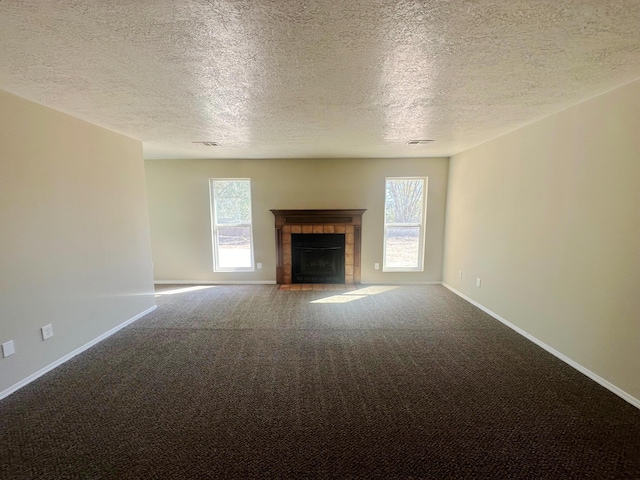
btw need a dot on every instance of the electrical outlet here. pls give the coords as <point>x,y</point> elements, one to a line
<point>478,282</point>
<point>259,266</point>
<point>47,331</point>
<point>459,273</point>
<point>8,349</point>
<point>376,266</point>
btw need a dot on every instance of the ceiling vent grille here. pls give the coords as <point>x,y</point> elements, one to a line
<point>208,144</point>
<point>419,142</point>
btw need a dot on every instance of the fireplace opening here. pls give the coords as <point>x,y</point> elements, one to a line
<point>317,258</point>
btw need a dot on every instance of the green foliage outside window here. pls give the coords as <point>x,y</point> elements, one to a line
<point>232,202</point>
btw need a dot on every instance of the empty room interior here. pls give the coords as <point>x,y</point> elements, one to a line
<point>170,171</point>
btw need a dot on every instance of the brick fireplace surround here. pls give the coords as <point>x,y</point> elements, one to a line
<point>348,222</point>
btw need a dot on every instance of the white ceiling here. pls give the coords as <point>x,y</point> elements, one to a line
<point>323,78</point>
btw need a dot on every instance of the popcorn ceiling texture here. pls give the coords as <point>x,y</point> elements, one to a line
<point>318,78</point>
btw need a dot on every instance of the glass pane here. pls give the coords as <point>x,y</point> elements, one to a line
<point>234,247</point>
<point>402,247</point>
<point>403,201</point>
<point>232,201</point>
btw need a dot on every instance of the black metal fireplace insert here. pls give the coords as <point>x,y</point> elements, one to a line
<point>317,257</point>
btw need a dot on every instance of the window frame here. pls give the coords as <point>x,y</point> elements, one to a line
<point>215,226</point>
<point>421,226</point>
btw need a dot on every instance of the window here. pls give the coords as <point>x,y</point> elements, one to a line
<point>231,224</point>
<point>404,220</point>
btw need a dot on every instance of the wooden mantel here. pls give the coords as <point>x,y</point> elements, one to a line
<point>347,221</point>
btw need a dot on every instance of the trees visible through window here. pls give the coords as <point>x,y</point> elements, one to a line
<point>231,224</point>
<point>404,219</point>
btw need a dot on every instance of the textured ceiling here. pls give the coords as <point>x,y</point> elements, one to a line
<point>323,78</point>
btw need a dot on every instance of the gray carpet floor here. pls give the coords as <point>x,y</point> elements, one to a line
<point>254,382</point>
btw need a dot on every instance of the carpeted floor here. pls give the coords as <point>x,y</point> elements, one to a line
<point>255,382</point>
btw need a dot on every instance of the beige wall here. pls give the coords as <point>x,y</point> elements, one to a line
<point>548,217</point>
<point>178,192</point>
<point>74,241</point>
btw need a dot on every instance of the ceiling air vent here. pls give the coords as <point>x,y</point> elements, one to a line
<point>208,144</point>
<point>419,142</point>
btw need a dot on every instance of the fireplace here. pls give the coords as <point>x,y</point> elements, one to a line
<point>321,223</point>
<point>317,258</point>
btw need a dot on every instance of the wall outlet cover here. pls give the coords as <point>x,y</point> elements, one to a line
<point>47,331</point>
<point>8,348</point>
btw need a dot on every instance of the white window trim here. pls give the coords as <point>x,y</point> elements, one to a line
<point>422,226</point>
<point>214,227</point>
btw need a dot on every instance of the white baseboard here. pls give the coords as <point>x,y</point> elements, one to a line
<point>400,283</point>
<point>217,282</point>
<point>68,356</point>
<point>608,385</point>
<point>269,282</point>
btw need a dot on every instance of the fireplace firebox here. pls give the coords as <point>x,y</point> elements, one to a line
<point>317,258</point>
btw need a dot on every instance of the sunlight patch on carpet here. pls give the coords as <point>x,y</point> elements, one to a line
<point>176,291</point>
<point>356,294</point>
